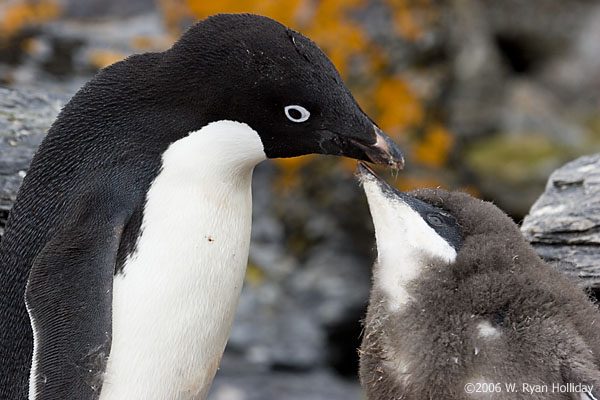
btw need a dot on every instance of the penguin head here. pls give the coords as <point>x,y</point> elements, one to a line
<point>409,230</point>
<point>252,69</point>
<point>433,224</point>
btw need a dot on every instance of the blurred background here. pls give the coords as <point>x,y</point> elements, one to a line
<point>485,96</point>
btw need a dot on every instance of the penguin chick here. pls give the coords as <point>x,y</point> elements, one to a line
<point>462,307</point>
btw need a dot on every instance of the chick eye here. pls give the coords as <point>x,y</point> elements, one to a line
<point>297,113</point>
<point>434,219</point>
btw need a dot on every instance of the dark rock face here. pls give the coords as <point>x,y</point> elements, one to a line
<point>24,119</point>
<point>564,223</point>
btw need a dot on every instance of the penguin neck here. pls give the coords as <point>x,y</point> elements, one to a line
<point>406,247</point>
<point>225,151</point>
<point>175,300</point>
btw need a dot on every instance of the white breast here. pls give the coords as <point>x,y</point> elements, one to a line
<point>174,305</point>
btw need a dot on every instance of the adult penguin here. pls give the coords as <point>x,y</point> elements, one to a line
<point>129,237</point>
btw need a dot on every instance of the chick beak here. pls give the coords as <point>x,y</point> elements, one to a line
<point>367,176</point>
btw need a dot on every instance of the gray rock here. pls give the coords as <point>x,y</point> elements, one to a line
<point>64,54</point>
<point>564,223</point>
<point>531,107</point>
<point>545,24</point>
<point>272,330</point>
<point>237,380</point>
<point>477,71</point>
<point>574,75</point>
<point>286,316</point>
<point>24,119</point>
<point>107,8</point>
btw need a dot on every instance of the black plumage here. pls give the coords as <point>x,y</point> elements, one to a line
<point>78,212</point>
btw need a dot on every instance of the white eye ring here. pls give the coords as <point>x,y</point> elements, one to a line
<point>304,114</point>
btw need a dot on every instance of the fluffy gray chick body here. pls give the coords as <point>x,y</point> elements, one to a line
<point>462,308</point>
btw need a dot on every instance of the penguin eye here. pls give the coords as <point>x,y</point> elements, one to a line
<point>297,113</point>
<point>435,219</point>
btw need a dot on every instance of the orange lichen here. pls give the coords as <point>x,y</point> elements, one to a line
<point>150,43</point>
<point>409,182</point>
<point>173,11</point>
<point>397,104</point>
<point>101,58</point>
<point>411,18</point>
<point>31,45</point>
<point>338,35</point>
<point>283,11</point>
<point>142,43</point>
<point>470,190</point>
<point>19,14</point>
<point>433,150</point>
<point>348,164</point>
<point>289,168</point>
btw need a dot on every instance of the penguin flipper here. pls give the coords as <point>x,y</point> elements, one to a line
<point>69,300</point>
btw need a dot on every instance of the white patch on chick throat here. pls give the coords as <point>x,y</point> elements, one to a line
<point>404,243</point>
<point>174,305</point>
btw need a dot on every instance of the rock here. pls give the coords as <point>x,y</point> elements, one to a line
<point>237,380</point>
<point>574,75</point>
<point>564,223</point>
<point>477,72</point>
<point>60,56</point>
<point>513,169</point>
<point>545,25</point>
<point>307,279</point>
<point>108,8</point>
<point>24,120</point>
<point>532,108</point>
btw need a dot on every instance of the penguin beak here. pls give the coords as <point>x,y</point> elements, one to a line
<point>372,183</point>
<point>398,216</point>
<point>382,150</point>
<point>363,173</point>
<point>385,151</point>
<point>366,175</point>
